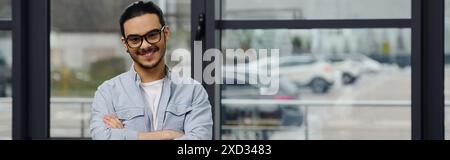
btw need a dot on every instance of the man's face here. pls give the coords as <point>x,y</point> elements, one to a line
<point>146,55</point>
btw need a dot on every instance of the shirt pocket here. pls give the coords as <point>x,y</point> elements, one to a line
<point>131,117</point>
<point>175,116</point>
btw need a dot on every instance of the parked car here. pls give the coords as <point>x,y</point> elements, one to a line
<point>259,115</point>
<point>350,70</point>
<point>403,60</point>
<point>400,59</point>
<point>368,65</point>
<point>303,70</point>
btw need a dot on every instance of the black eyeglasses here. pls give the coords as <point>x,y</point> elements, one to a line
<point>152,37</point>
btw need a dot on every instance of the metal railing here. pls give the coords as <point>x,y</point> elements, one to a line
<point>81,102</point>
<point>306,104</point>
<point>316,102</point>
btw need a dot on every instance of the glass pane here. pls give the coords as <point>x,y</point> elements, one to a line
<point>5,9</point>
<point>86,50</point>
<point>349,83</point>
<point>447,69</point>
<point>316,9</point>
<point>5,85</point>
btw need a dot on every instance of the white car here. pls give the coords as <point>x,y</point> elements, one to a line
<point>368,65</point>
<point>303,70</point>
<point>350,70</point>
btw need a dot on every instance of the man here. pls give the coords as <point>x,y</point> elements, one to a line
<point>145,103</point>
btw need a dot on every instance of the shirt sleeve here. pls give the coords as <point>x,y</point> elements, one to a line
<point>198,124</point>
<point>101,106</point>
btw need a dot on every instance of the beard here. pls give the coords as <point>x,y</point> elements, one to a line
<point>150,50</point>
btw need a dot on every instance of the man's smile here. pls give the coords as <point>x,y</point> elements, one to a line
<point>148,53</point>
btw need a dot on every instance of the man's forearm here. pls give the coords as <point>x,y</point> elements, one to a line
<point>159,135</point>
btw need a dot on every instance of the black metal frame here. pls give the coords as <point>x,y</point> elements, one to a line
<point>144,37</point>
<point>312,24</point>
<point>427,27</point>
<point>428,70</point>
<point>31,88</point>
<point>5,25</point>
<point>208,39</point>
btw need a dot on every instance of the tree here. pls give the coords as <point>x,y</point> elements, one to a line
<point>5,9</point>
<point>297,44</point>
<point>105,69</point>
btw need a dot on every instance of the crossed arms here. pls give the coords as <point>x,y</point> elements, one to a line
<point>197,126</point>
<point>111,121</point>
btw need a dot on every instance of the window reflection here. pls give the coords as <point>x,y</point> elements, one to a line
<point>5,85</point>
<point>345,83</point>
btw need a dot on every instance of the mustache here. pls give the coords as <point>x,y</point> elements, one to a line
<point>148,49</point>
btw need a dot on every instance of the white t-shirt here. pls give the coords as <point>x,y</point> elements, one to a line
<point>152,95</point>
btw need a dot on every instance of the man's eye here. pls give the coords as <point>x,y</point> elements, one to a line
<point>152,34</point>
<point>134,39</point>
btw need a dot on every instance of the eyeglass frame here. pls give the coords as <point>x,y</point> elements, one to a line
<point>144,37</point>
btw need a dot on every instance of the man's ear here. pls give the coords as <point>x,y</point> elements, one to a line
<point>167,32</point>
<point>124,43</point>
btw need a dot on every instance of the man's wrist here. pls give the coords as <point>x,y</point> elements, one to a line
<point>156,135</point>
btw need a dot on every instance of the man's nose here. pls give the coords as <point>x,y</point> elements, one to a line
<point>145,44</point>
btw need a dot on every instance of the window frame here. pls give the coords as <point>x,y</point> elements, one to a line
<point>31,92</point>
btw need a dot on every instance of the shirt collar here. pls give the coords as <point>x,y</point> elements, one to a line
<point>135,76</point>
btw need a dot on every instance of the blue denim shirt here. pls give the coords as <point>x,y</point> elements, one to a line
<point>183,107</point>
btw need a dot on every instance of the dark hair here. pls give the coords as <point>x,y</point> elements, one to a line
<point>140,8</point>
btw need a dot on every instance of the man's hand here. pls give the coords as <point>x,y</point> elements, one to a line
<point>171,134</point>
<point>112,122</point>
<point>160,135</point>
